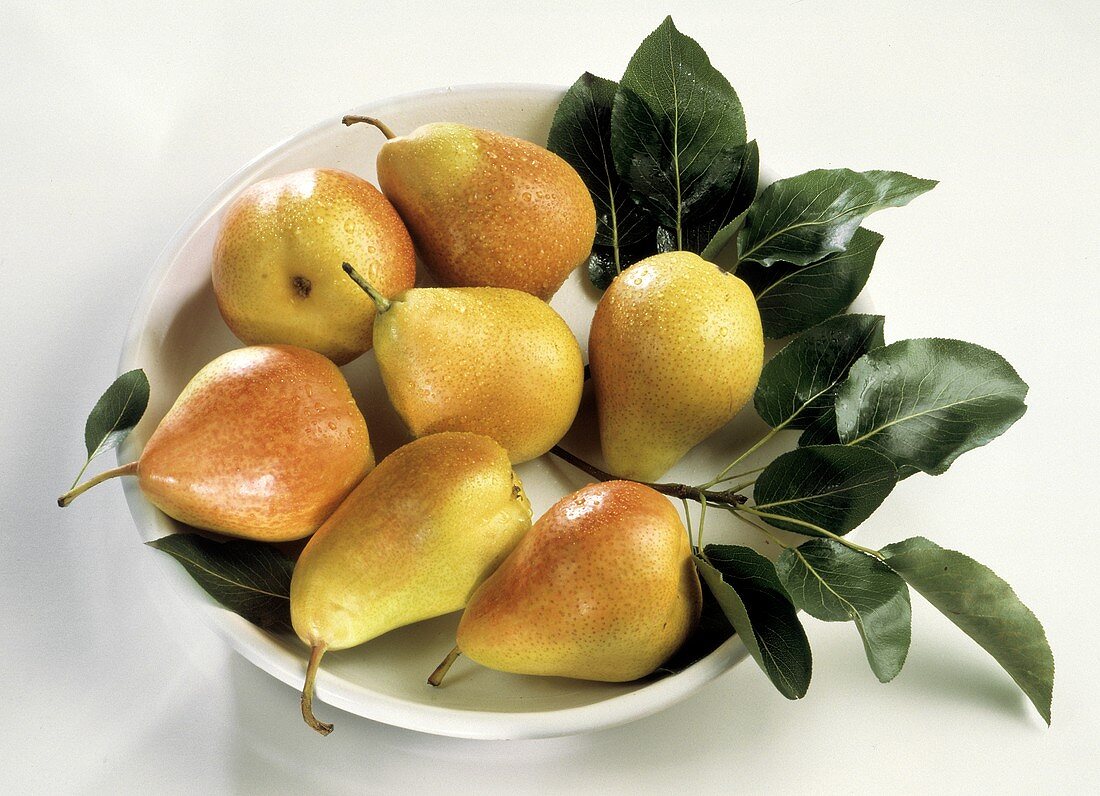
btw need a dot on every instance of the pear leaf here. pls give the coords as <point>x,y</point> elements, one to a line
<point>984,607</point>
<point>800,220</point>
<point>834,583</point>
<point>797,386</point>
<point>581,135</point>
<point>116,412</point>
<point>677,129</point>
<point>749,592</point>
<point>835,487</point>
<point>251,579</point>
<point>923,403</point>
<point>792,298</point>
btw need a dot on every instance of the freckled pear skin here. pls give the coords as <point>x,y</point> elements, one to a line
<point>492,361</point>
<point>263,443</point>
<point>602,588</point>
<point>676,348</point>
<point>277,259</point>
<point>412,541</point>
<point>487,209</point>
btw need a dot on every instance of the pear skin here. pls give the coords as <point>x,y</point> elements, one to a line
<point>277,258</point>
<point>263,443</point>
<point>488,210</point>
<point>603,587</point>
<point>411,542</point>
<point>676,348</point>
<point>486,360</point>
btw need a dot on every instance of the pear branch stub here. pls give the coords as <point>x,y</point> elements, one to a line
<point>436,678</point>
<point>380,301</point>
<point>72,494</point>
<point>315,654</point>
<point>351,119</point>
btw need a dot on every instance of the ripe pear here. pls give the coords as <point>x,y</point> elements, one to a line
<point>263,443</point>
<point>676,348</point>
<point>603,587</point>
<point>276,261</point>
<point>412,541</point>
<point>486,209</point>
<point>488,360</point>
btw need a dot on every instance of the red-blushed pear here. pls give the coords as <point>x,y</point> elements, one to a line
<point>487,209</point>
<point>277,260</point>
<point>603,587</point>
<point>263,443</point>
<point>412,541</point>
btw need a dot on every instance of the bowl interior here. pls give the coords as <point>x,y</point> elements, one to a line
<point>177,329</point>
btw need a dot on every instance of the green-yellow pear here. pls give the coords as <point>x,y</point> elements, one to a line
<point>486,209</point>
<point>603,587</point>
<point>676,348</point>
<point>488,360</point>
<point>412,541</point>
<point>277,258</point>
<point>263,443</point>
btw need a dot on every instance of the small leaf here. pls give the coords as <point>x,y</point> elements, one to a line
<point>722,237</point>
<point>749,592</point>
<point>792,297</point>
<point>923,403</point>
<point>581,135</point>
<point>249,578</point>
<point>832,486</point>
<point>116,412</point>
<point>712,632</point>
<point>802,219</point>
<point>984,607</point>
<point>677,127</point>
<point>837,584</point>
<point>798,385</point>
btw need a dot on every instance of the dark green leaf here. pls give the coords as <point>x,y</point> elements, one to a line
<point>821,431</point>
<point>249,578</point>
<point>792,297</point>
<point>837,584</point>
<point>677,128</point>
<point>711,632</point>
<point>832,486</point>
<point>802,219</point>
<point>601,263</point>
<point>754,601</point>
<point>721,238</point>
<point>923,403</point>
<point>116,412</point>
<point>581,135</point>
<point>798,385</point>
<point>985,608</point>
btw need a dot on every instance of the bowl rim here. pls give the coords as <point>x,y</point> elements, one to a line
<point>257,647</point>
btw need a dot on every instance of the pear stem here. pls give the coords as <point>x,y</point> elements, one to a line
<point>441,670</point>
<point>307,691</point>
<point>726,498</point>
<point>380,301</point>
<point>72,494</point>
<point>351,119</point>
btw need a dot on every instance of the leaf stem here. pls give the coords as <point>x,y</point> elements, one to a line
<point>702,519</point>
<point>722,475</point>
<point>809,525</point>
<point>351,119</point>
<point>762,528</point>
<point>725,498</point>
<point>76,491</point>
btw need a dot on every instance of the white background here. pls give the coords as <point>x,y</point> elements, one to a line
<point>116,120</point>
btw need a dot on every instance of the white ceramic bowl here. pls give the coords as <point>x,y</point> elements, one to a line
<point>176,329</point>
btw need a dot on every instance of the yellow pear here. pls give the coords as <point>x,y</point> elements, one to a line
<point>277,261</point>
<point>487,360</point>
<point>603,587</point>
<point>412,541</point>
<point>486,209</point>
<point>263,443</point>
<point>676,348</point>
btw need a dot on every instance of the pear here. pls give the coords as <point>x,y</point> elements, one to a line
<point>486,209</point>
<point>487,360</point>
<point>412,541</point>
<point>676,348</point>
<point>276,261</point>
<point>603,587</point>
<point>263,443</point>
